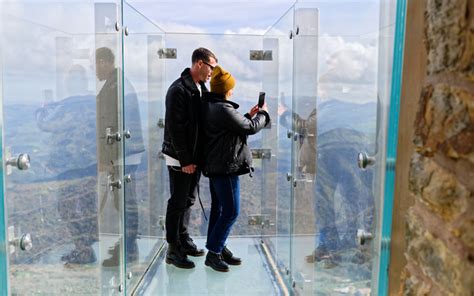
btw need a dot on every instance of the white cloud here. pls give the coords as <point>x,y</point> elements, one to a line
<point>246,31</point>
<point>347,62</point>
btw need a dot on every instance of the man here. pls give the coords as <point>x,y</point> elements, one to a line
<point>326,158</point>
<point>108,102</point>
<point>181,151</point>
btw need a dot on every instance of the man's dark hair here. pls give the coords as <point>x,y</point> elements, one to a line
<point>203,54</point>
<point>105,54</point>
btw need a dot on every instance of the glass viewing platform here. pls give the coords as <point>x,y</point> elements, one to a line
<point>85,185</point>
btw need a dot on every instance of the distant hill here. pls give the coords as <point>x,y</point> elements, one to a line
<point>340,114</point>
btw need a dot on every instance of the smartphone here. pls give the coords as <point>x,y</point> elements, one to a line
<point>261,99</point>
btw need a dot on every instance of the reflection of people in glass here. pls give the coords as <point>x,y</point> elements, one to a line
<point>227,156</point>
<point>72,163</point>
<point>107,115</point>
<point>339,187</point>
<point>181,151</point>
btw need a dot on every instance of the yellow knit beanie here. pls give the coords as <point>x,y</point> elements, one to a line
<point>221,81</point>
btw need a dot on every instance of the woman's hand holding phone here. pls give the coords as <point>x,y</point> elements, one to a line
<point>253,111</point>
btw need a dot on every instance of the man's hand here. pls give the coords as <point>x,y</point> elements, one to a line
<point>189,169</point>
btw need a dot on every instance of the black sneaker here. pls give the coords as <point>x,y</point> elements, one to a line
<point>114,259</point>
<point>229,258</point>
<point>176,256</point>
<point>216,262</point>
<point>190,247</point>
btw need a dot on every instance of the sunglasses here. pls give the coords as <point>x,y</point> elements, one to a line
<point>210,66</point>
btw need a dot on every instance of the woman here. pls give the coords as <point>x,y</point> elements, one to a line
<point>226,157</point>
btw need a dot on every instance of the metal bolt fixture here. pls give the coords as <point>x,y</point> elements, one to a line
<point>364,160</point>
<point>288,177</point>
<point>129,275</point>
<point>291,34</point>
<point>112,137</point>
<point>289,134</point>
<point>127,134</point>
<point>120,288</point>
<point>128,178</point>
<point>25,243</point>
<point>21,162</point>
<point>363,236</point>
<point>125,30</point>
<point>117,26</point>
<point>113,183</point>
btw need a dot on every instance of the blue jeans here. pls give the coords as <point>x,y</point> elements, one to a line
<point>325,216</point>
<point>225,208</point>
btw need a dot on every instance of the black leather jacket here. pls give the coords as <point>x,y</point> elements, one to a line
<point>181,137</point>
<point>225,150</point>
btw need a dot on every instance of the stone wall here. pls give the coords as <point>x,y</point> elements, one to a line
<point>440,224</point>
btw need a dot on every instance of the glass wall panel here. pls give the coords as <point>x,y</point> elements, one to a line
<point>62,107</point>
<point>343,196</point>
<point>304,123</point>
<point>145,201</point>
<point>278,84</point>
<point>390,52</point>
<point>3,232</point>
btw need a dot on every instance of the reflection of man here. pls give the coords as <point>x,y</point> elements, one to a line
<point>337,183</point>
<point>180,147</point>
<point>108,154</point>
<point>72,161</point>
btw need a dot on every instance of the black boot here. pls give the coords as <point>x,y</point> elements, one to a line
<point>216,262</point>
<point>190,248</point>
<point>176,256</point>
<point>229,258</point>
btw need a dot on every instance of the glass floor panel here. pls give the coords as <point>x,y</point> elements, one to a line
<point>253,277</point>
<point>351,274</point>
<point>49,275</point>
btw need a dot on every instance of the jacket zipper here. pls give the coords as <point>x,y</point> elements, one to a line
<point>195,138</point>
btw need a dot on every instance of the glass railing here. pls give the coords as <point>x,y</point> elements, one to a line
<point>144,198</point>
<point>277,200</point>
<point>86,186</point>
<point>62,217</point>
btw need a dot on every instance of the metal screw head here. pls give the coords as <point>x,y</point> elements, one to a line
<point>291,34</point>
<point>130,275</point>
<point>120,288</point>
<point>23,162</point>
<point>126,31</point>
<point>25,242</point>
<point>117,26</point>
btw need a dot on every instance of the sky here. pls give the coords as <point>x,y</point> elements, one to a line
<point>343,48</point>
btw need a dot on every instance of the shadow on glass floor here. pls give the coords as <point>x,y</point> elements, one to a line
<point>253,277</point>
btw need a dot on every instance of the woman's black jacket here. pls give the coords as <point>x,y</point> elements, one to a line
<point>225,150</point>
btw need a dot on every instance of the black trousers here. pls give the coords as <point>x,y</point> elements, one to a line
<point>184,189</point>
